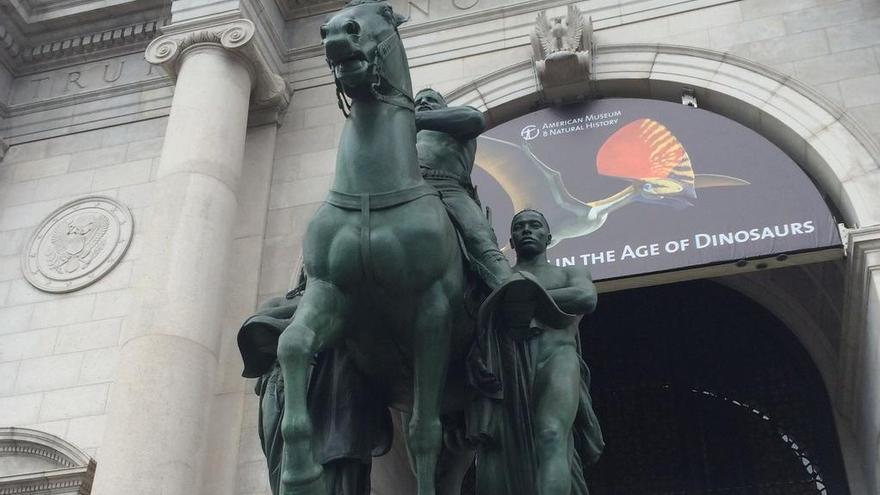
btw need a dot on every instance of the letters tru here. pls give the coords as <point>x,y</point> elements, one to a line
<point>82,78</point>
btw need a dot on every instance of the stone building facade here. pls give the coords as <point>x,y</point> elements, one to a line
<point>220,137</point>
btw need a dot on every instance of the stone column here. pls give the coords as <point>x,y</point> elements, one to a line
<point>155,440</point>
<point>859,399</point>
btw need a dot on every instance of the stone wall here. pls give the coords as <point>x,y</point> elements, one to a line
<point>833,46</point>
<point>58,351</point>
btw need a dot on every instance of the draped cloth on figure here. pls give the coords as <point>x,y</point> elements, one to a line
<point>502,370</point>
<point>351,423</point>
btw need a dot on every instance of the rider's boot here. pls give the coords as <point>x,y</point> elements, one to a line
<point>494,268</point>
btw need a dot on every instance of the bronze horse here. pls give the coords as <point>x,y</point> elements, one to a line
<point>385,274</point>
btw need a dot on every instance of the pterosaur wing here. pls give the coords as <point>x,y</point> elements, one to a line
<point>528,181</point>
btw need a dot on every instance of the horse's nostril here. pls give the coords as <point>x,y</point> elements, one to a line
<point>352,27</point>
<point>338,48</point>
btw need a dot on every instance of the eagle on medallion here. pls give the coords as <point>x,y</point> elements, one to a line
<point>76,241</point>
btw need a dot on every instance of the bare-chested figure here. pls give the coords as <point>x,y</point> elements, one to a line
<point>446,144</point>
<point>557,365</point>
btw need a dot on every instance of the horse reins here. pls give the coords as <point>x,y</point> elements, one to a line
<point>383,49</point>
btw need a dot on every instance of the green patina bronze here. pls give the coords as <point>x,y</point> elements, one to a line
<point>382,321</point>
<point>540,430</point>
<point>352,421</point>
<point>446,144</point>
<point>385,276</point>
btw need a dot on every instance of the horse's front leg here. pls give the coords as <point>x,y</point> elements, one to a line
<point>431,358</point>
<point>318,324</point>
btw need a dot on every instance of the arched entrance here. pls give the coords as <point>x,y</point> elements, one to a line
<point>701,390</point>
<point>833,149</point>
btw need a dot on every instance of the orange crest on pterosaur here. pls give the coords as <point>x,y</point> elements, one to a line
<point>645,149</point>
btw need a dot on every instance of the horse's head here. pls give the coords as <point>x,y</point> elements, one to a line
<point>365,53</point>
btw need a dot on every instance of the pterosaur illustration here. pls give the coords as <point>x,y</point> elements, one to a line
<point>643,152</point>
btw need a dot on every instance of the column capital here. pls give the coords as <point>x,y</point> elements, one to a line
<point>270,90</point>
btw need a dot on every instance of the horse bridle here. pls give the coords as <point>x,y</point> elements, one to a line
<point>402,99</point>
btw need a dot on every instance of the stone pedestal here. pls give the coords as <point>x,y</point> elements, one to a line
<point>158,415</point>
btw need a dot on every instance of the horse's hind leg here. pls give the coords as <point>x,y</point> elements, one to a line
<point>432,335</point>
<point>317,325</point>
<point>456,459</point>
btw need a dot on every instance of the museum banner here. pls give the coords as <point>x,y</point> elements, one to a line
<point>634,186</point>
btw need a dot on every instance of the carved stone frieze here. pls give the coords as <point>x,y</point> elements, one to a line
<point>563,53</point>
<point>45,464</point>
<point>77,244</point>
<point>8,41</point>
<point>120,38</point>
<point>130,34</point>
<point>292,9</point>
<point>270,89</point>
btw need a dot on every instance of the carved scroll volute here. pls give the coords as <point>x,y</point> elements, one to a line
<point>270,89</point>
<point>166,49</point>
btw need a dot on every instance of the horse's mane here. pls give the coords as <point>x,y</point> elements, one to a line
<point>353,3</point>
<point>397,18</point>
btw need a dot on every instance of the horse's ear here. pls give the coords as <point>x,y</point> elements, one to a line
<point>393,17</point>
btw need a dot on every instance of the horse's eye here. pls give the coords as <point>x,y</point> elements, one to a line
<point>323,32</point>
<point>352,27</point>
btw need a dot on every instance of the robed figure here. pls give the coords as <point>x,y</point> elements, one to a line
<point>536,425</point>
<point>352,423</point>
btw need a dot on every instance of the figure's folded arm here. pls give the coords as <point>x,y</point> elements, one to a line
<point>461,122</point>
<point>579,297</point>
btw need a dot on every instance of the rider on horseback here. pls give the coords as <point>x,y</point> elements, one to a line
<point>446,144</point>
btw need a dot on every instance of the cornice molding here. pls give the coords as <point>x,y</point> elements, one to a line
<point>126,35</point>
<point>8,41</point>
<point>74,472</point>
<point>24,58</point>
<point>70,481</point>
<point>295,9</point>
<point>452,22</point>
<point>270,90</point>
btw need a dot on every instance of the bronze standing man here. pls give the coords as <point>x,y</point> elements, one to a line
<point>446,144</point>
<point>557,374</point>
<point>540,431</point>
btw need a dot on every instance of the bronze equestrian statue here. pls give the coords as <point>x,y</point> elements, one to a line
<point>386,280</point>
<point>385,273</point>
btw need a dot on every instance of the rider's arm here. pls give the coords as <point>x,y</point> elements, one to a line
<point>461,122</point>
<point>579,296</point>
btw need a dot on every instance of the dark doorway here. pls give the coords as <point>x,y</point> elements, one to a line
<point>699,390</point>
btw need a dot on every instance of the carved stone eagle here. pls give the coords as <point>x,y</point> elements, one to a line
<point>76,242</point>
<point>562,50</point>
<point>562,34</point>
